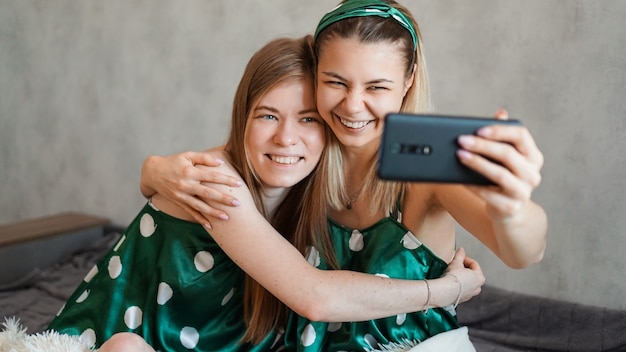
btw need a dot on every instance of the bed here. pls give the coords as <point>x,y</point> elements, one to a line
<point>498,320</point>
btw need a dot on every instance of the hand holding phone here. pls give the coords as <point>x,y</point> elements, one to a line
<point>422,148</point>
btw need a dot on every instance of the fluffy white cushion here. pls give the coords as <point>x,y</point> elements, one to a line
<point>15,339</point>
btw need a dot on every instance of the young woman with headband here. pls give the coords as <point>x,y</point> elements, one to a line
<point>370,62</point>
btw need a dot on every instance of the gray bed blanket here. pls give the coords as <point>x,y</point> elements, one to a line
<point>498,320</point>
<point>501,320</point>
<point>37,298</point>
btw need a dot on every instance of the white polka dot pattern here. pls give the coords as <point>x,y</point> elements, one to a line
<point>189,337</point>
<point>370,340</point>
<point>88,337</point>
<point>133,317</point>
<point>157,272</point>
<point>61,310</point>
<point>91,273</point>
<point>409,241</point>
<point>146,225</point>
<point>356,241</point>
<point>82,297</point>
<point>228,296</point>
<point>314,257</point>
<point>203,261</point>
<point>332,327</point>
<point>115,267</point>
<point>308,336</point>
<point>164,293</point>
<point>119,243</point>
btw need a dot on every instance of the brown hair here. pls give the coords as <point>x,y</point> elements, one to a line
<point>374,29</point>
<point>280,60</point>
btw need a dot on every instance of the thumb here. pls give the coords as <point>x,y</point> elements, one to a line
<point>460,254</point>
<point>502,114</point>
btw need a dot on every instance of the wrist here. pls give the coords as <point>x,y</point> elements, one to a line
<point>458,281</point>
<point>444,291</point>
<point>144,184</point>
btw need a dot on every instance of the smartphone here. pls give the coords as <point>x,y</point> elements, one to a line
<point>422,148</point>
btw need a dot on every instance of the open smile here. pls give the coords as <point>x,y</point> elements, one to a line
<point>286,160</point>
<point>353,124</point>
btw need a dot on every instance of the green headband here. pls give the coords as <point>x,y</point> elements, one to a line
<point>362,8</point>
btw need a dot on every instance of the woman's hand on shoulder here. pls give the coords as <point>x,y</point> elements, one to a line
<point>508,156</point>
<point>186,180</point>
<point>468,273</point>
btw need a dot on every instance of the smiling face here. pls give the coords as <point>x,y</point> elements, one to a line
<point>357,85</point>
<point>285,135</point>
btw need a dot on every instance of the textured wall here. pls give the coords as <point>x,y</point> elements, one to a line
<point>89,89</point>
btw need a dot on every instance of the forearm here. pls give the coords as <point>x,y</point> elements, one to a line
<point>521,239</point>
<point>518,240</point>
<point>351,296</point>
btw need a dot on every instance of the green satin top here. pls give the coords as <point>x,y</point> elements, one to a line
<point>167,280</point>
<point>388,249</point>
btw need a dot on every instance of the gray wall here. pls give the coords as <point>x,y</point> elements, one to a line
<point>89,89</point>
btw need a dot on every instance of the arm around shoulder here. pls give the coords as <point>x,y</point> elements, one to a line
<point>320,295</point>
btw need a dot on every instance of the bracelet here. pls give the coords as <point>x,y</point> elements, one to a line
<point>427,299</point>
<point>458,298</point>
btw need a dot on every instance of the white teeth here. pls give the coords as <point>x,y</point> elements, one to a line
<point>284,159</point>
<point>357,124</point>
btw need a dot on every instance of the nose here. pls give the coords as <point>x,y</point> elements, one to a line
<point>286,133</point>
<point>353,102</point>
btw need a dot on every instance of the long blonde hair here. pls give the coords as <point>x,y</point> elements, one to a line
<point>280,60</point>
<point>374,29</point>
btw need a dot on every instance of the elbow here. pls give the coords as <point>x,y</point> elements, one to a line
<point>320,303</point>
<point>314,310</point>
<point>527,261</point>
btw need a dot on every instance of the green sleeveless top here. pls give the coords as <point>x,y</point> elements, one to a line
<point>167,280</point>
<point>387,249</point>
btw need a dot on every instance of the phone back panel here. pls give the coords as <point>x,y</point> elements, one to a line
<point>423,148</point>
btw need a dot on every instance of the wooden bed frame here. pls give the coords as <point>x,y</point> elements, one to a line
<point>37,243</point>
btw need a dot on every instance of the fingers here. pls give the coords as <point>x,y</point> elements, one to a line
<point>210,175</point>
<point>202,158</point>
<point>501,162</point>
<point>195,179</point>
<point>517,136</point>
<point>471,264</point>
<point>508,156</point>
<point>201,211</point>
<point>186,179</point>
<point>198,217</point>
<point>460,256</point>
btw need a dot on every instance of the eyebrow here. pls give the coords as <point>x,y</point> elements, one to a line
<point>341,78</point>
<point>265,107</point>
<point>274,110</point>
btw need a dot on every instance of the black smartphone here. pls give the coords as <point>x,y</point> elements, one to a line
<point>422,148</point>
